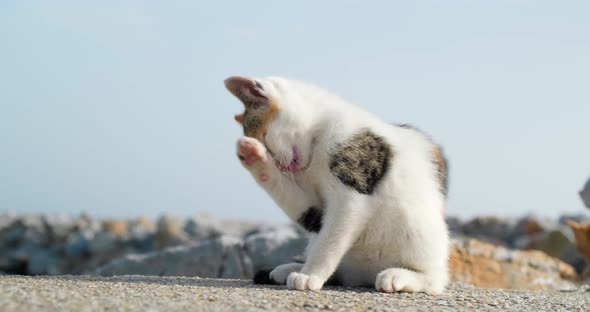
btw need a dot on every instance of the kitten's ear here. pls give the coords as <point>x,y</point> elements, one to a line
<point>239,118</point>
<point>249,91</point>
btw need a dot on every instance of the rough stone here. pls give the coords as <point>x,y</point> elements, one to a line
<point>455,225</point>
<point>170,232</point>
<point>78,243</point>
<point>578,217</point>
<point>43,262</point>
<point>132,293</point>
<point>102,243</point>
<point>531,225</point>
<point>202,228</point>
<point>270,249</point>
<point>491,229</point>
<point>222,256</point>
<point>59,226</point>
<point>485,265</point>
<point>117,228</point>
<point>85,222</point>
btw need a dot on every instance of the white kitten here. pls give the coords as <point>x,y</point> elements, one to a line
<point>371,194</point>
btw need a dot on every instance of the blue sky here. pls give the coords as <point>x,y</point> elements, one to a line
<point>117,108</point>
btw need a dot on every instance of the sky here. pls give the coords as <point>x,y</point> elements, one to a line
<point>118,109</point>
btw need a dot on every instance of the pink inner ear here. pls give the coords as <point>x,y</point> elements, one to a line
<point>245,89</point>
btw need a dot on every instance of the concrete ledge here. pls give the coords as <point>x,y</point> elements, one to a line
<point>139,293</point>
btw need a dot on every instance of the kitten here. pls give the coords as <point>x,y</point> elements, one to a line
<point>371,194</point>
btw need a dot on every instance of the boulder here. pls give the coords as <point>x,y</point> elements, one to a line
<point>44,262</point>
<point>170,232</point>
<point>455,225</point>
<point>102,243</point>
<point>485,265</point>
<point>558,242</point>
<point>85,222</point>
<point>6,219</point>
<point>492,229</point>
<point>577,217</point>
<point>219,257</point>
<point>59,226</point>
<point>530,225</point>
<point>272,248</point>
<point>117,228</point>
<point>202,228</point>
<point>78,243</point>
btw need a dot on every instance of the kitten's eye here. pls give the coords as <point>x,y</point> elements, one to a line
<point>257,84</point>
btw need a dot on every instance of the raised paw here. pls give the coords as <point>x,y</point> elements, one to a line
<point>302,281</point>
<point>254,157</point>
<point>396,280</point>
<point>251,151</point>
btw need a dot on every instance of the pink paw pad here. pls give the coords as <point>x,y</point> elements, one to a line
<point>263,177</point>
<point>248,153</point>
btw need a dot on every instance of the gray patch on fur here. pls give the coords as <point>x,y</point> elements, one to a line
<point>361,161</point>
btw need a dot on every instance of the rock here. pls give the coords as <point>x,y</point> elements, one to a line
<point>491,229</point>
<point>141,226</point>
<point>78,243</point>
<point>454,224</point>
<point>485,265</point>
<point>43,262</point>
<point>558,242</point>
<point>218,257</point>
<point>59,226</point>
<point>102,243</point>
<point>578,218</point>
<point>554,242</point>
<point>170,232</point>
<point>531,225</point>
<point>202,228</point>
<point>118,228</point>
<point>10,263</point>
<point>85,222</point>
<point>585,194</point>
<point>270,249</point>
<point>142,234</point>
<point>12,234</point>
<point>6,219</point>
<point>171,294</point>
<point>26,228</point>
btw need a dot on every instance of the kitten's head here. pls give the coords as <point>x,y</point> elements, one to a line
<point>276,116</point>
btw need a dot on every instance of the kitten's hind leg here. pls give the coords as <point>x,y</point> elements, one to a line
<point>404,280</point>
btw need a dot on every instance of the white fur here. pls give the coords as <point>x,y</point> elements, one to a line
<point>395,238</point>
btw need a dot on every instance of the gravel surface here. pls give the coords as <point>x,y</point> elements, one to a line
<point>140,293</point>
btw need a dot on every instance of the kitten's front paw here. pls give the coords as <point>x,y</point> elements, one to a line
<point>282,272</point>
<point>302,281</point>
<point>395,280</point>
<point>253,156</point>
